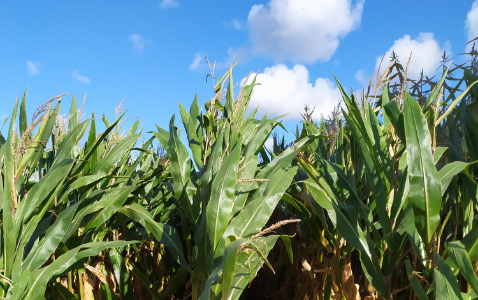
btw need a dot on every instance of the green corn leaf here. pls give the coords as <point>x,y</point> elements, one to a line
<point>349,229</point>
<point>448,172</point>
<point>258,210</point>
<point>44,189</point>
<point>162,136</point>
<point>91,148</point>
<point>122,276</point>
<point>400,197</point>
<point>213,163</point>
<point>133,128</point>
<point>196,128</point>
<point>219,207</point>
<point>352,233</point>
<point>144,279</point>
<point>246,171</point>
<point>322,195</point>
<point>445,282</point>
<point>49,243</point>
<point>181,172</point>
<point>94,202</point>
<point>283,161</point>
<point>36,282</point>
<point>30,159</point>
<point>374,171</point>
<point>412,276</point>
<point>453,104</point>
<point>229,104</point>
<point>425,185</point>
<point>185,117</point>
<point>470,241</point>
<point>470,131</point>
<point>434,93</point>
<point>192,125</point>
<point>243,102</point>
<point>396,117</point>
<point>460,257</point>
<point>25,235</point>
<point>81,182</point>
<point>91,154</point>
<point>256,138</point>
<point>230,258</point>
<point>73,119</point>
<point>104,165</point>
<point>248,264</point>
<point>443,290</point>
<point>9,196</point>
<point>70,141</point>
<point>288,247</point>
<point>165,234</point>
<point>347,184</point>
<point>114,199</point>
<point>438,153</point>
<point>23,115</point>
<point>105,120</point>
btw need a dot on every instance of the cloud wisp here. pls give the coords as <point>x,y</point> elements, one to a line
<point>79,77</point>
<point>302,31</point>
<point>138,41</point>
<point>235,24</point>
<point>281,91</point>
<point>167,4</point>
<point>33,67</point>
<point>198,59</point>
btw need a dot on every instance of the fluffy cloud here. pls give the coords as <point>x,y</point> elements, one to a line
<point>302,30</point>
<point>138,41</point>
<point>80,78</point>
<point>426,54</point>
<point>471,23</point>
<point>198,58</point>
<point>33,68</point>
<point>287,91</point>
<point>165,4</point>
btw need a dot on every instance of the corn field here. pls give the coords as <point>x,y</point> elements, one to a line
<point>376,202</point>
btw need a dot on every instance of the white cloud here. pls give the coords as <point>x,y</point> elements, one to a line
<point>33,68</point>
<point>198,58</point>
<point>426,54</point>
<point>471,23</point>
<point>165,4</point>
<point>235,24</point>
<point>80,77</point>
<point>138,41</point>
<point>286,91</point>
<point>302,30</point>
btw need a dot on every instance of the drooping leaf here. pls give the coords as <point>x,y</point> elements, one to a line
<point>425,185</point>
<point>163,233</point>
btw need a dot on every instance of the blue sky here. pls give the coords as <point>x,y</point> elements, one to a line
<point>151,53</point>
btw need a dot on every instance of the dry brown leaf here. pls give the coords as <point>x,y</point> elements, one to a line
<point>101,276</point>
<point>350,289</point>
<point>88,289</point>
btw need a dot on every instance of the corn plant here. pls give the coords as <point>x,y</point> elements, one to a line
<point>377,180</point>
<point>56,196</point>
<point>225,196</point>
